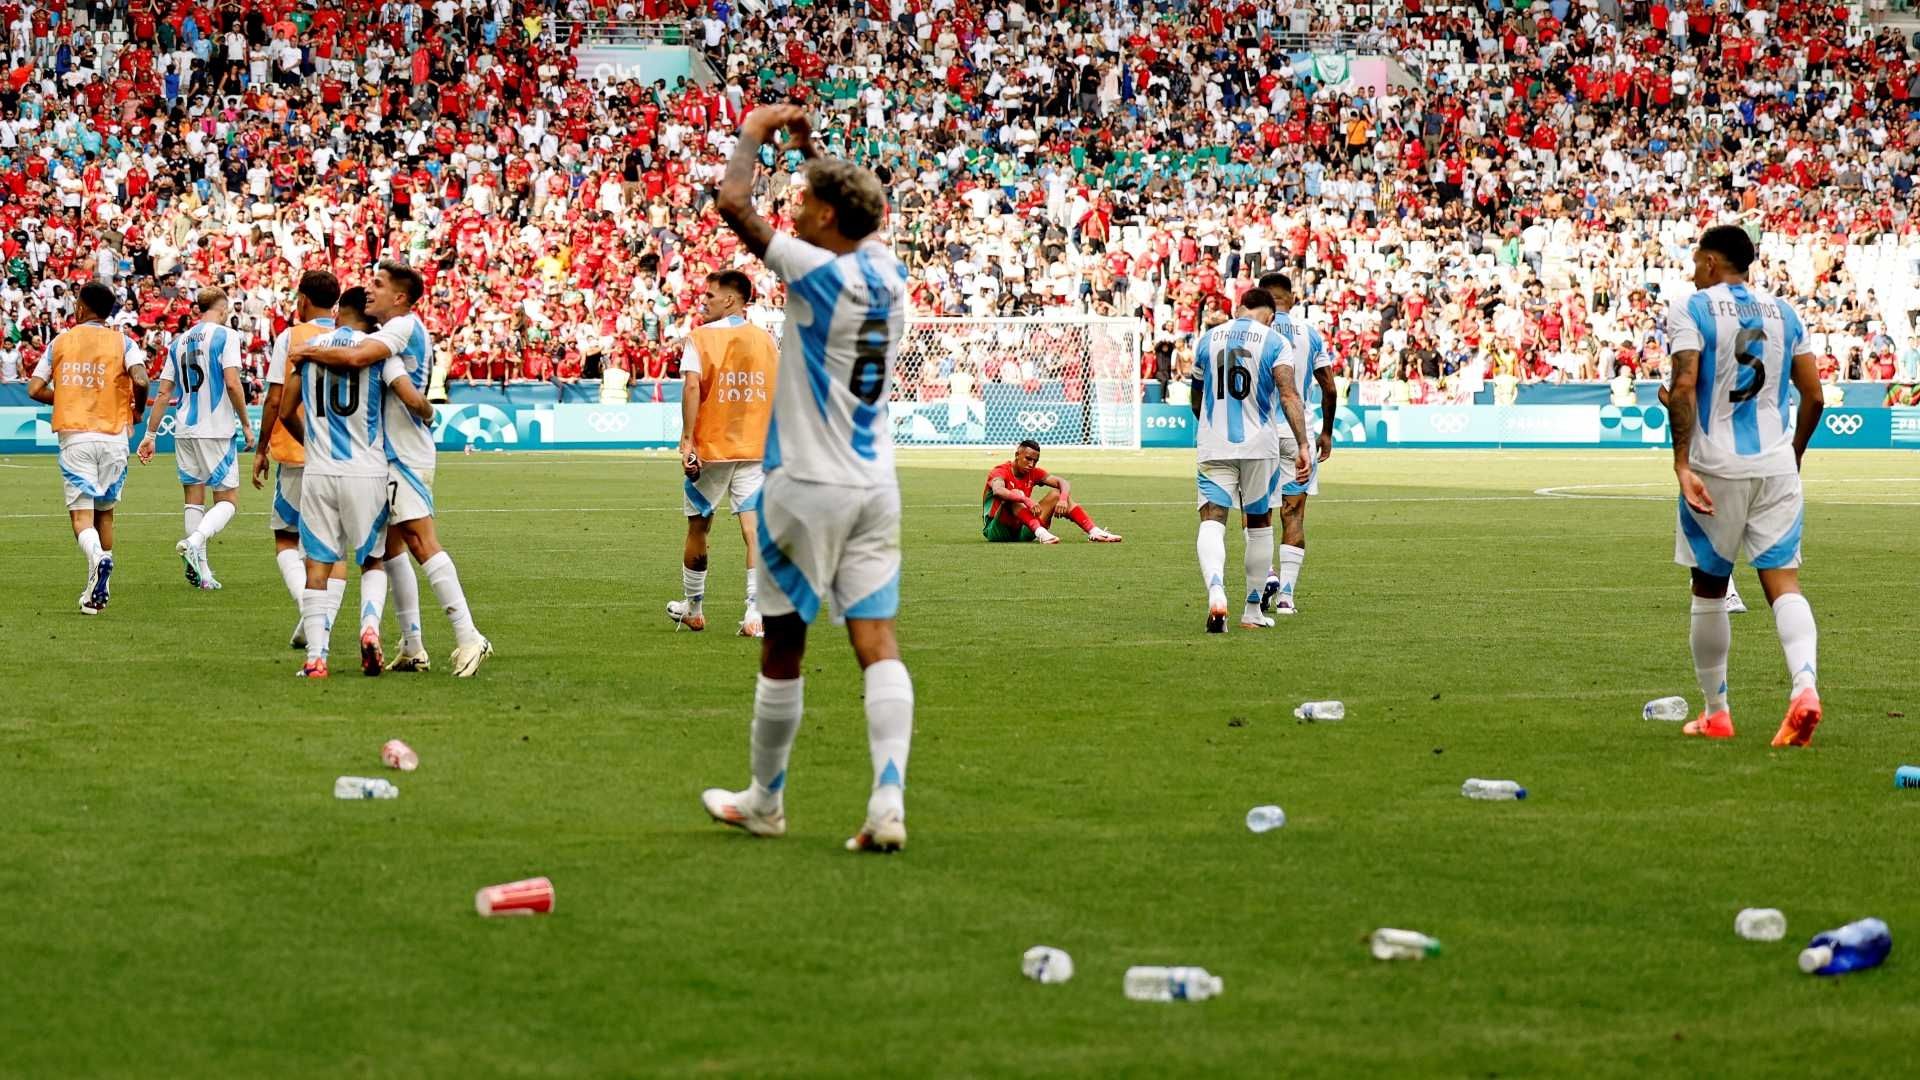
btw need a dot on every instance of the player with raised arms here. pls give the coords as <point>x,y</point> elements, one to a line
<point>204,363</point>
<point>1737,350</point>
<point>1316,362</point>
<point>829,528</point>
<point>729,365</point>
<point>1244,394</point>
<point>96,380</point>
<point>396,288</point>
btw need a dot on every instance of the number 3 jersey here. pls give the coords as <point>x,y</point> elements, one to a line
<point>345,432</point>
<point>1235,372</point>
<point>1746,338</point>
<point>846,315</point>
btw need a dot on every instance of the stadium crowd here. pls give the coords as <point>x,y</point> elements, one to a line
<point>1513,211</point>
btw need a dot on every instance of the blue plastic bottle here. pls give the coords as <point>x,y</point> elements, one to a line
<point>1856,946</point>
<point>1907,776</point>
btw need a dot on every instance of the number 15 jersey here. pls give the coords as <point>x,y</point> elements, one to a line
<point>846,315</point>
<point>1236,367</point>
<point>345,433</point>
<point>1746,338</point>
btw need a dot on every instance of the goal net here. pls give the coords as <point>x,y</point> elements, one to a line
<point>1062,381</point>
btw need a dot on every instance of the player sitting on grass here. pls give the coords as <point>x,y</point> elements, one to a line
<point>1009,512</point>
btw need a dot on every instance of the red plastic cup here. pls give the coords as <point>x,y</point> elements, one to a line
<point>533,896</point>
<point>399,755</point>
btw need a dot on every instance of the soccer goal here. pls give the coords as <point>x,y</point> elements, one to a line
<point>1064,381</point>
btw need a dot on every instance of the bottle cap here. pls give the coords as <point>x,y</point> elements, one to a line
<point>1520,793</point>
<point>1816,957</point>
<point>1219,984</point>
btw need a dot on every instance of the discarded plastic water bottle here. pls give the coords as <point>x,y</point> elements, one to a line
<point>1492,790</point>
<point>363,787</point>
<point>1046,964</point>
<point>1172,984</point>
<point>1321,710</point>
<point>1670,709</point>
<point>1760,924</point>
<point>1907,776</point>
<point>1265,818</point>
<point>398,755</point>
<point>1391,944</point>
<point>1856,946</point>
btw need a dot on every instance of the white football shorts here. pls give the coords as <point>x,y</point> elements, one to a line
<point>343,518</point>
<point>737,481</point>
<point>409,493</point>
<point>1288,485</point>
<point>285,515</point>
<point>1246,483</point>
<point>213,462</point>
<point>1760,516</point>
<point>94,472</point>
<point>821,542</point>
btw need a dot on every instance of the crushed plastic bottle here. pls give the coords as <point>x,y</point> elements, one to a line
<point>1172,984</point>
<point>1760,924</point>
<point>363,787</point>
<point>1856,946</point>
<point>1046,964</point>
<point>1321,710</point>
<point>1671,709</point>
<point>1390,944</point>
<point>1907,776</point>
<point>1265,818</point>
<point>1492,790</point>
<point>398,755</point>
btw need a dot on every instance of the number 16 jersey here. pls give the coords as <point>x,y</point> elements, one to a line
<point>846,315</point>
<point>1236,366</point>
<point>345,434</point>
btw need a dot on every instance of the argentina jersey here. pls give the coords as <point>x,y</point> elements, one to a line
<point>197,363</point>
<point>345,435</point>
<point>1235,365</point>
<point>845,317</point>
<point>1747,339</point>
<point>409,438</point>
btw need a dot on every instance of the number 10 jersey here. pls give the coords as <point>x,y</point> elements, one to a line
<point>345,432</point>
<point>1235,372</point>
<point>846,315</point>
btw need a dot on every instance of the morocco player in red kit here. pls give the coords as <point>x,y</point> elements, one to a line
<point>1009,512</point>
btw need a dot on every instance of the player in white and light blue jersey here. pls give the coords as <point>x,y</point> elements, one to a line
<point>829,525</point>
<point>1244,404</point>
<point>1737,353</point>
<point>1316,362</point>
<point>204,363</point>
<point>403,339</point>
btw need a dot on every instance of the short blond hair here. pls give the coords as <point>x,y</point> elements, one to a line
<point>210,297</point>
<point>859,202</point>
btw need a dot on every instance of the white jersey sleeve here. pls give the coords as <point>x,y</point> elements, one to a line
<point>1746,339</point>
<point>846,317</point>
<point>277,358</point>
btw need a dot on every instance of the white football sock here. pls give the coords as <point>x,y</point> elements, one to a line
<point>211,524</point>
<point>777,705</point>
<point>293,571</point>
<point>1799,638</point>
<point>889,731</point>
<point>315,620</point>
<point>191,514</point>
<point>406,603</point>
<point>693,583</point>
<point>1213,556</point>
<point>445,581</point>
<point>336,593</point>
<point>1259,557</point>
<point>1291,559</point>
<point>373,599</point>
<point>1711,639</point>
<point>89,541</point>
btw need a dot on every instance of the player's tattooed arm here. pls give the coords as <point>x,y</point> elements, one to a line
<point>1296,414</point>
<point>1329,404</point>
<point>735,195</point>
<point>1805,374</point>
<point>1683,417</point>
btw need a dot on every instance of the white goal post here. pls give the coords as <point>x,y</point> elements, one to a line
<point>1067,381</point>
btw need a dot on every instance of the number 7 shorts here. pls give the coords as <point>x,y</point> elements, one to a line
<point>1246,483</point>
<point>409,493</point>
<point>824,542</point>
<point>1760,516</point>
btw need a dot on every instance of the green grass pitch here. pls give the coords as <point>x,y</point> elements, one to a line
<point>187,899</point>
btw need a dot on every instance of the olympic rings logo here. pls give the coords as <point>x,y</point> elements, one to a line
<point>608,423</point>
<point>1035,422</point>
<point>1845,423</point>
<point>1449,423</point>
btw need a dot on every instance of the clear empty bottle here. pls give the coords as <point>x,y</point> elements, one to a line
<point>1492,790</point>
<point>1046,964</point>
<point>1321,710</point>
<point>1760,924</point>
<point>364,787</point>
<point>1390,944</point>
<point>1856,946</point>
<point>1265,818</point>
<point>1670,709</point>
<point>1172,984</point>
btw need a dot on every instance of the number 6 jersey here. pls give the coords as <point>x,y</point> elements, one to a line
<point>345,432</point>
<point>846,315</point>
<point>1235,370</point>
<point>1746,338</point>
